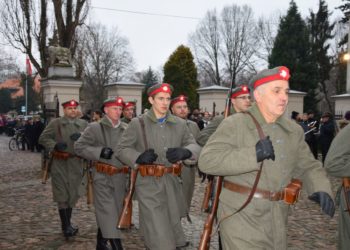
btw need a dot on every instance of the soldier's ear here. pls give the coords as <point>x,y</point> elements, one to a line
<point>151,100</point>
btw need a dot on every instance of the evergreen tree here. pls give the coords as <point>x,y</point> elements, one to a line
<point>149,79</point>
<point>5,101</point>
<point>292,49</point>
<point>181,72</point>
<point>320,34</point>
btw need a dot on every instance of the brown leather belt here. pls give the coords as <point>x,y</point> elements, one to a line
<point>105,168</point>
<point>259,193</point>
<point>60,155</point>
<point>159,170</point>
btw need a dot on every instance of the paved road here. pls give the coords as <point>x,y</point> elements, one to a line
<point>29,218</point>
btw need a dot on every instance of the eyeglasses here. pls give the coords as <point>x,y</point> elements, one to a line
<point>244,97</point>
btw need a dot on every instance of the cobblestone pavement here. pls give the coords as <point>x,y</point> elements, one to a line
<point>29,219</point>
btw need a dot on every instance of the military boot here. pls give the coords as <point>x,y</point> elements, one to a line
<point>68,231</point>
<point>116,244</point>
<point>69,211</point>
<point>102,243</point>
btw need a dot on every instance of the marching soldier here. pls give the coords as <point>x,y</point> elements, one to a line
<point>66,170</point>
<point>241,101</point>
<point>337,164</point>
<point>155,143</point>
<point>99,144</point>
<point>236,151</point>
<point>128,111</point>
<point>179,108</point>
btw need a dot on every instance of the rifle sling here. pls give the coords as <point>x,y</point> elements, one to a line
<point>143,130</point>
<point>257,178</point>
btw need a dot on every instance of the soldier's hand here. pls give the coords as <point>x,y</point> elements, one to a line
<point>264,149</point>
<point>74,136</point>
<point>325,201</point>
<point>60,146</point>
<point>177,154</point>
<point>106,153</point>
<point>147,157</point>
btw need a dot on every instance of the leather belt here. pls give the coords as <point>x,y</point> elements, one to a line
<point>259,193</point>
<point>159,170</point>
<point>61,155</point>
<point>105,168</point>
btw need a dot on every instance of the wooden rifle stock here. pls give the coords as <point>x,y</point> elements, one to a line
<point>89,194</point>
<point>204,243</point>
<point>207,195</point>
<point>46,169</point>
<point>346,187</point>
<point>124,221</point>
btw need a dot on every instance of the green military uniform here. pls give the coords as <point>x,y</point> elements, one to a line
<point>188,173</point>
<point>210,129</point>
<point>109,191</point>
<point>230,152</point>
<point>67,175</point>
<point>125,120</point>
<point>338,164</point>
<point>159,198</point>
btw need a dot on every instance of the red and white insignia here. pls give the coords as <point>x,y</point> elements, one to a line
<point>283,73</point>
<point>72,102</point>
<point>165,88</point>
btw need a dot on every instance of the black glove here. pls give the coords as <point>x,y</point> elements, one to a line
<point>74,136</point>
<point>106,153</point>
<point>264,149</point>
<point>325,201</point>
<point>147,157</point>
<point>60,146</point>
<point>177,154</point>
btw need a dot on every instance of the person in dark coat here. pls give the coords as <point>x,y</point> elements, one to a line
<point>38,129</point>
<point>29,134</point>
<point>327,133</point>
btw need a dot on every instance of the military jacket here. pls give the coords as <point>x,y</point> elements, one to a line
<point>230,152</point>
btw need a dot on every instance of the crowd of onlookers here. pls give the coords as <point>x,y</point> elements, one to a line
<point>319,133</point>
<point>30,126</point>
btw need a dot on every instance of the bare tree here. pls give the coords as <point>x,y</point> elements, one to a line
<point>25,24</point>
<point>266,30</point>
<point>205,42</point>
<point>237,29</point>
<point>106,58</point>
<point>8,66</point>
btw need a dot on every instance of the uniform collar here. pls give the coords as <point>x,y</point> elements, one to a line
<point>106,121</point>
<point>169,117</point>
<point>281,121</point>
<point>65,120</point>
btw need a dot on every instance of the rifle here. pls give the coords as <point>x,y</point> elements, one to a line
<point>124,221</point>
<point>89,193</point>
<point>47,167</point>
<point>204,243</point>
<point>346,186</point>
<point>213,114</point>
<point>206,204</point>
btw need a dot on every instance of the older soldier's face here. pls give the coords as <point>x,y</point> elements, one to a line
<point>180,109</point>
<point>272,99</point>
<point>129,112</point>
<point>113,112</point>
<point>70,112</point>
<point>160,103</point>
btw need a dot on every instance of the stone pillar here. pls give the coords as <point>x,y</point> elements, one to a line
<point>129,91</point>
<point>211,94</point>
<point>60,84</point>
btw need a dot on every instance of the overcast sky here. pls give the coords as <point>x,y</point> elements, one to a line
<point>153,35</point>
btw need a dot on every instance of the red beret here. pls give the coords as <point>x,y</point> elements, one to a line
<point>70,103</point>
<point>240,90</point>
<point>269,75</point>
<point>118,101</point>
<point>160,87</point>
<point>180,98</point>
<point>129,104</point>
